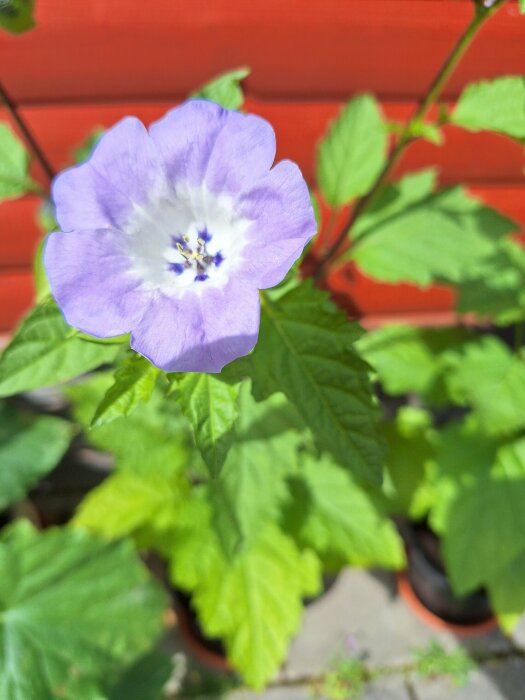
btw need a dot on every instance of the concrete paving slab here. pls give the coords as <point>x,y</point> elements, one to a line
<point>386,688</point>
<point>302,692</point>
<point>363,616</point>
<point>496,680</point>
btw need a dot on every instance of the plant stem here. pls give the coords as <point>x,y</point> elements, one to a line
<point>481,14</point>
<point>26,132</point>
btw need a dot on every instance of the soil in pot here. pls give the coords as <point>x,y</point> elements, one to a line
<point>425,583</point>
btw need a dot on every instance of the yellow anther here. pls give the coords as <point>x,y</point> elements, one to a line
<point>200,241</point>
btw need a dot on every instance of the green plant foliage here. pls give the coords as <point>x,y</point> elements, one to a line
<point>434,661</point>
<point>145,679</point>
<point>46,221</point>
<point>334,516</point>
<point>345,680</point>
<point>410,448</point>
<point>306,350</point>
<point>84,151</point>
<point>17,15</point>
<point>493,105</point>
<point>211,406</point>
<point>134,383</point>
<point>29,449</point>
<point>46,351</point>
<point>522,6</point>
<point>65,601</point>
<point>146,504</point>
<point>154,435</point>
<point>463,454</point>
<point>507,593</point>
<point>429,132</point>
<point>251,488</point>
<point>253,600</point>
<point>498,290</point>
<point>481,534</point>
<point>409,359</point>
<point>353,152</point>
<point>225,89</point>
<point>408,219</point>
<point>14,178</point>
<point>487,376</point>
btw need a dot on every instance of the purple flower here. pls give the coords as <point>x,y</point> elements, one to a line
<point>169,234</point>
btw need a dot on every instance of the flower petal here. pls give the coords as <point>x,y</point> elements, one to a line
<point>123,170</point>
<point>92,283</point>
<point>284,222</point>
<point>202,142</point>
<point>200,332</point>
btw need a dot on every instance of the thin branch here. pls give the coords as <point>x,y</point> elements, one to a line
<point>26,132</point>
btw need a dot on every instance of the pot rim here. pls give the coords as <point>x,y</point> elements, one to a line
<point>407,593</point>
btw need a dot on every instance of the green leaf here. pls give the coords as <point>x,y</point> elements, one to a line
<point>507,593</point>
<point>14,178</point>
<point>485,524</point>
<point>46,220</point>
<point>254,601</point>
<point>493,105</point>
<point>134,384</point>
<point>29,449</point>
<point>65,622</point>
<point>409,359</point>
<point>522,6</point>
<point>45,351</point>
<point>394,236</point>
<point>225,89</point>
<point>334,516</point>
<point>145,679</point>
<point>146,504</point>
<point>490,379</point>
<point>17,15</point>
<point>210,405</point>
<point>251,487</point>
<point>154,435</point>
<point>84,151</point>
<point>464,454</point>
<point>410,448</point>
<point>306,350</point>
<point>498,290</point>
<point>353,152</point>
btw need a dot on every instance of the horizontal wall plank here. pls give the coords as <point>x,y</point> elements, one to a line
<point>16,297</point>
<point>136,50</point>
<point>475,158</point>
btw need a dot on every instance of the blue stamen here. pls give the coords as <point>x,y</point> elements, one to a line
<point>200,278</point>
<point>205,235</point>
<point>218,259</point>
<point>177,268</point>
<point>178,240</point>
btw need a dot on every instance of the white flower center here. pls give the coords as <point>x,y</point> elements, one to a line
<point>185,238</point>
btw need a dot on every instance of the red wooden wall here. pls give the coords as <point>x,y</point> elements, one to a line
<point>89,63</point>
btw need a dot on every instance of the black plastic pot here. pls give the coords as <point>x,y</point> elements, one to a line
<point>429,584</point>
